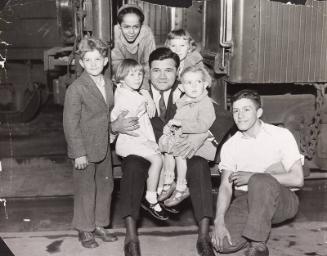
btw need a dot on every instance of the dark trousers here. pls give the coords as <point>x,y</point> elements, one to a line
<point>93,187</point>
<point>135,173</point>
<point>252,213</point>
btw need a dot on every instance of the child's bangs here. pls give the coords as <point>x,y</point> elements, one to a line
<point>182,37</point>
<point>136,68</point>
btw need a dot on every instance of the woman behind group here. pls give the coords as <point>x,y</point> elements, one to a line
<point>132,39</point>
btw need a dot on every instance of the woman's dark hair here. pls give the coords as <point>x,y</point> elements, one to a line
<point>248,94</point>
<point>163,53</point>
<point>130,8</point>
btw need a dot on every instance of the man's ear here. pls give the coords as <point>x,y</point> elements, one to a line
<point>259,112</point>
<point>177,72</point>
<point>81,62</point>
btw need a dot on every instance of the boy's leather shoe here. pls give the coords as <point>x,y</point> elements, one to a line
<point>105,235</point>
<point>257,249</point>
<point>159,215</point>
<point>87,239</point>
<point>204,247</point>
<point>132,248</point>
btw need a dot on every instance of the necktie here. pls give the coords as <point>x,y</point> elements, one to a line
<point>162,107</point>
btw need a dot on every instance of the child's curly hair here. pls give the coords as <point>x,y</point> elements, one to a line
<point>88,44</point>
<point>205,74</point>
<point>181,34</point>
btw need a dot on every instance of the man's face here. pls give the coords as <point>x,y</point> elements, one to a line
<point>163,74</point>
<point>246,114</point>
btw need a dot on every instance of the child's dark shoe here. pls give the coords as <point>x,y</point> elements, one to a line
<point>160,215</point>
<point>172,210</point>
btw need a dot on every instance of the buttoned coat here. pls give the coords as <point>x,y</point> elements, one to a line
<point>86,119</point>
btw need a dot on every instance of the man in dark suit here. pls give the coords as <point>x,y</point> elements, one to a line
<point>164,66</point>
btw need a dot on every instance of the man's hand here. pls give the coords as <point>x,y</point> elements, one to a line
<point>187,147</point>
<point>220,233</point>
<point>125,125</point>
<point>240,178</point>
<point>81,163</point>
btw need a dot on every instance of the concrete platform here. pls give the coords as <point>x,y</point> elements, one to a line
<point>296,239</point>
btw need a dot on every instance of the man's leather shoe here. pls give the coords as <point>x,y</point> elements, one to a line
<point>160,215</point>
<point>257,249</point>
<point>105,235</point>
<point>204,247</point>
<point>87,239</point>
<point>132,248</point>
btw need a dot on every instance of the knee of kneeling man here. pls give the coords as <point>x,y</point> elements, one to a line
<point>228,248</point>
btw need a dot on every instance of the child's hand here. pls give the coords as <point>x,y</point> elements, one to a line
<point>174,122</point>
<point>151,108</point>
<point>150,105</point>
<point>81,163</point>
<point>167,130</point>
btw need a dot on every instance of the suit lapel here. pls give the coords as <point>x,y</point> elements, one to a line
<point>151,94</point>
<point>90,84</point>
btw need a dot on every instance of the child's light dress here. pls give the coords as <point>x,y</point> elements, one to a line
<point>143,145</point>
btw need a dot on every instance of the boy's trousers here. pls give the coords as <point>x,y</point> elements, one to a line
<point>252,213</point>
<point>93,187</point>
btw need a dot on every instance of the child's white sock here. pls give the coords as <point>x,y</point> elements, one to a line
<point>151,197</point>
<point>181,185</point>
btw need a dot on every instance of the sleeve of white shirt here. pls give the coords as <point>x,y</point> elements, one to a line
<point>289,149</point>
<point>227,161</point>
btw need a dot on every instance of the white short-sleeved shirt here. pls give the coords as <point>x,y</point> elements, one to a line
<point>272,145</point>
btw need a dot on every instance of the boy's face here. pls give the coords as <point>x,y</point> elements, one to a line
<point>163,74</point>
<point>130,27</point>
<point>134,79</point>
<point>246,114</point>
<point>193,84</point>
<point>93,62</point>
<point>179,46</point>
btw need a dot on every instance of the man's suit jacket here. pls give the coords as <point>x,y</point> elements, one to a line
<point>86,119</point>
<point>157,123</point>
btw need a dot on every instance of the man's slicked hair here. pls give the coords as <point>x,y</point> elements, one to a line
<point>163,53</point>
<point>248,94</point>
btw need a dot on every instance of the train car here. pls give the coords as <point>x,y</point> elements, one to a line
<point>277,47</point>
